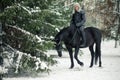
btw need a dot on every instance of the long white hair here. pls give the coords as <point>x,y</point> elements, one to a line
<point>76,4</point>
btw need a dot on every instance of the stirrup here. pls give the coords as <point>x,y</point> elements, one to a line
<point>82,45</point>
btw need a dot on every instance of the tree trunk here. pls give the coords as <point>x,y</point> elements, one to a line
<point>117,32</point>
<point>2,25</point>
<point>0,35</point>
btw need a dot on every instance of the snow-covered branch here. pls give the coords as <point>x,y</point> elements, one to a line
<point>28,33</point>
<point>49,24</point>
<point>25,8</point>
<point>38,63</point>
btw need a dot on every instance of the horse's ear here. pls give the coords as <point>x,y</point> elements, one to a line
<point>54,40</point>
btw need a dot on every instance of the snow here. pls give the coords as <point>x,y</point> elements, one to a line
<point>22,30</point>
<point>25,8</point>
<point>54,12</point>
<point>38,63</point>
<point>43,66</point>
<point>39,39</point>
<point>3,70</point>
<point>18,60</point>
<point>50,24</point>
<point>28,33</point>
<point>57,29</point>
<point>61,71</point>
<point>51,37</point>
<point>34,11</point>
<point>8,62</point>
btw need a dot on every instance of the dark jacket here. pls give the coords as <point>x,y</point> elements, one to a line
<point>78,18</point>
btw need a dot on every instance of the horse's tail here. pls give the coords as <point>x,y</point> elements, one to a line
<point>97,52</point>
<point>98,38</point>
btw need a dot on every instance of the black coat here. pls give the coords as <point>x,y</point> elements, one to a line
<point>78,19</point>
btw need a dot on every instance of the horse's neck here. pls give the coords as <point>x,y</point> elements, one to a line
<point>64,35</point>
<point>72,31</point>
<point>67,33</point>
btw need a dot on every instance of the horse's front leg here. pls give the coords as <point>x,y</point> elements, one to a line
<point>76,56</point>
<point>71,56</point>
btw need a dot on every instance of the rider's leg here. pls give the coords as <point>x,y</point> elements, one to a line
<point>83,36</point>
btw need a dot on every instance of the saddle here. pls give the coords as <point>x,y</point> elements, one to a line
<point>81,33</point>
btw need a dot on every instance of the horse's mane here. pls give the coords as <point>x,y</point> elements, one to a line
<point>61,31</point>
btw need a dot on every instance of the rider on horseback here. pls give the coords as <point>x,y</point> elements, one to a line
<point>78,20</point>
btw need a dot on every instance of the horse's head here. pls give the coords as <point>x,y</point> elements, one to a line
<point>58,44</point>
<point>58,40</point>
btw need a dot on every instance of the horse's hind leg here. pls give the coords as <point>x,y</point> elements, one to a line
<point>98,54</point>
<point>92,55</point>
<point>100,62</point>
<point>76,57</point>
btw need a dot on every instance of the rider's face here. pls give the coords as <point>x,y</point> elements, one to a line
<point>76,8</point>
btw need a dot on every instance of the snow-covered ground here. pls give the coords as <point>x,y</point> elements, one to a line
<point>61,71</point>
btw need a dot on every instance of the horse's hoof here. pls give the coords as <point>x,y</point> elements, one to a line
<point>100,66</point>
<point>90,66</point>
<point>81,64</point>
<point>71,67</point>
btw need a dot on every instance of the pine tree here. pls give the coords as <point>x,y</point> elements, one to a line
<point>22,22</point>
<point>28,27</point>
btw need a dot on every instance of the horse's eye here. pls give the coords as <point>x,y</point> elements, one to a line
<point>55,44</point>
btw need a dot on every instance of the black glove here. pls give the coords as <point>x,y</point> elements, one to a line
<point>78,24</point>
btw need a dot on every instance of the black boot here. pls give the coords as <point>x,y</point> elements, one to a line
<point>83,38</point>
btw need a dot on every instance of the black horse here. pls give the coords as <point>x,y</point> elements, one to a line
<point>72,39</point>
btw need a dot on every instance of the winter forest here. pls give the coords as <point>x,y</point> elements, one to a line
<point>27,31</point>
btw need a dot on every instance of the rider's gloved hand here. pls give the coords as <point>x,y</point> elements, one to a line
<point>78,25</point>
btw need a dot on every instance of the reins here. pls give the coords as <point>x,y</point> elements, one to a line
<point>73,36</point>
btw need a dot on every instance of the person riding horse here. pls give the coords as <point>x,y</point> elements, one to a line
<point>78,20</point>
<point>91,36</point>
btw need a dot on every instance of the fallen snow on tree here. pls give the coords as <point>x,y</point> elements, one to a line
<point>57,29</point>
<point>28,33</point>
<point>21,59</point>
<point>3,70</point>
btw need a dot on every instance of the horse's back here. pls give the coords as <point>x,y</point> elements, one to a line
<point>95,32</point>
